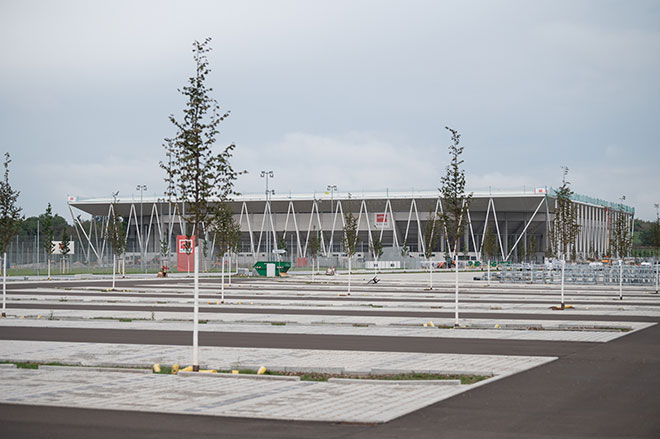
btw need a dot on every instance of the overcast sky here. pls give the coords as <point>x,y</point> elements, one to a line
<point>352,93</point>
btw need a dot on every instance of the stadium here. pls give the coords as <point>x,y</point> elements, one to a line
<point>520,220</point>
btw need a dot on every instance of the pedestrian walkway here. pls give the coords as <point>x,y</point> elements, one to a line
<point>364,402</point>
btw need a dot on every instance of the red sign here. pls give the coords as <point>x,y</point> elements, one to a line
<point>185,249</point>
<point>382,221</point>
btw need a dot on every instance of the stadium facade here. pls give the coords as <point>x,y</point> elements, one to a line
<point>521,222</point>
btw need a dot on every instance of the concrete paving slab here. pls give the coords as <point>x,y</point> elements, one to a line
<point>220,396</point>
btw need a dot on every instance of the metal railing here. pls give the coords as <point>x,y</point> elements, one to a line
<point>580,274</point>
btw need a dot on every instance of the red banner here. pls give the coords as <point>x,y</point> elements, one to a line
<point>185,249</point>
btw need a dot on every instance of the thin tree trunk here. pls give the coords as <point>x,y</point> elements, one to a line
<point>49,268</point>
<point>620,280</point>
<point>489,272</point>
<point>563,267</point>
<point>114,268</point>
<point>456,295</point>
<point>430,273</point>
<point>349,276</point>
<point>195,364</point>
<point>4,285</point>
<point>222,276</point>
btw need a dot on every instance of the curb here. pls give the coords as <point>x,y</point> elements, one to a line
<point>94,369</point>
<point>7,366</point>
<point>397,382</point>
<point>238,375</point>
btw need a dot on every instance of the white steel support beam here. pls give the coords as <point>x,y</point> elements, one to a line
<point>525,229</point>
<point>249,226</point>
<point>497,227</point>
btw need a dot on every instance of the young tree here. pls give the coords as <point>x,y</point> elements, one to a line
<point>490,248</point>
<point>533,247</point>
<point>655,230</point>
<point>115,234</point>
<point>281,245</point>
<point>350,241</point>
<point>455,201</point>
<point>377,250</point>
<point>47,233</point>
<point>430,241</point>
<point>565,227</point>
<point>405,252</point>
<point>227,236</point>
<point>314,247</point>
<point>200,174</point>
<point>10,223</point>
<point>164,252</point>
<point>621,237</point>
<point>655,242</point>
<point>65,249</point>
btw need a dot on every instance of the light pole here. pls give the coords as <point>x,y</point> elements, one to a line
<point>141,188</point>
<point>332,188</point>
<point>657,261</point>
<point>267,175</point>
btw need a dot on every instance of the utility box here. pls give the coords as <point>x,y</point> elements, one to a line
<point>271,268</point>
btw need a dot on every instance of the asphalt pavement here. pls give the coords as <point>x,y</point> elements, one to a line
<point>594,390</point>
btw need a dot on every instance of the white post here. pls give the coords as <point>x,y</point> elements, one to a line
<point>349,274</point>
<point>489,272</point>
<point>48,267</point>
<point>222,276</point>
<point>456,294</point>
<point>230,268</point>
<point>657,264</point>
<point>4,285</point>
<point>620,279</point>
<point>430,273</point>
<point>195,364</point>
<point>114,267</point>
<point>563,266</point>
<point>312,269</point>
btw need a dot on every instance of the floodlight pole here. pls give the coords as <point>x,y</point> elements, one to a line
<point>332,188</point>
<point>141,188</point>
<point>267,175</point>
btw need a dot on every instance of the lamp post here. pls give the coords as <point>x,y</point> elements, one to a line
<point>141,188</point>
<point>267,175</point>
<point>332,188</point>
<point>657,261</point>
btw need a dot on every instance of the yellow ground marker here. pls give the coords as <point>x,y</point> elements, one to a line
<point>175,369</point>
<point>156,368</point>
<point>431,325</point>
<point>261,371</point>
<point>234,372</point>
